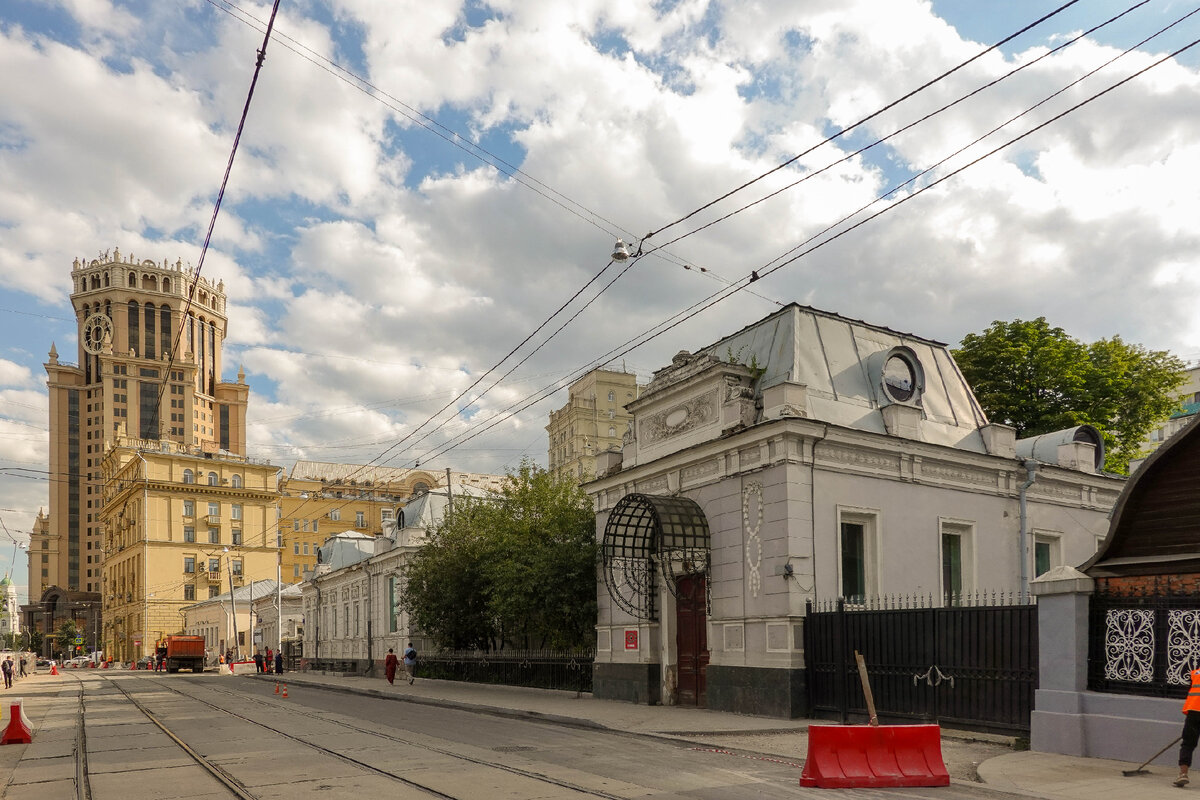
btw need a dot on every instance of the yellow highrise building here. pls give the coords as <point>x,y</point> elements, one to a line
<point>148,379</point>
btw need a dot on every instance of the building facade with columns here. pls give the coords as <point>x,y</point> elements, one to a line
<point>812,457</point>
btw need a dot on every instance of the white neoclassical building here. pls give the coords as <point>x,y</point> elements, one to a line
<point>810,456</point>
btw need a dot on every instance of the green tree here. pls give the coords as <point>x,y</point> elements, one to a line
<point>446,592</point>
<point>543,566</point>
<point>64,637</point>
<point>517,571</point>
<point>1039,379</point>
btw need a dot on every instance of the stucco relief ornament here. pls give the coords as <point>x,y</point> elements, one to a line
<point>680,419</point>
<point>1183,644</point>
<point>753,541</point>
<point>1129,645</point>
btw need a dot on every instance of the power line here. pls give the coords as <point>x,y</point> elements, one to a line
<point>809,175</point>
<point>712,300</point>
<point>864,120</point>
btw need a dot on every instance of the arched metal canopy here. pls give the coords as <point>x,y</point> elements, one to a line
<point>642,531</point>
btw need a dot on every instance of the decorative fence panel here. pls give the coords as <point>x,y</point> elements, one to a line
<point>970,666</point>
<point>1143,641</point>
<point>541,669</point>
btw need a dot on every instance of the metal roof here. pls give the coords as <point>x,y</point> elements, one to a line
<point>837,359</point>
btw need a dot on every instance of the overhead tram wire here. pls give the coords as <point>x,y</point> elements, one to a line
<point>379,460</point>
<point>864,120</point>
<point>809,175</point>
<point>735,288</point>
<point>212,223</point>
<point>712,300</point>
<point>531,353</point>
<point>462,142</point>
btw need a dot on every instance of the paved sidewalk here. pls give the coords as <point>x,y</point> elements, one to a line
<point>1025,773</point>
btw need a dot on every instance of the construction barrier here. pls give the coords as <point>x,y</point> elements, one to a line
<point>858,756</point>
<point>19,731</point>
<point>284,691</point>
<point>53,669</point>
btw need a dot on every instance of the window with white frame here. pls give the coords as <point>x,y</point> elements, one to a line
<point>336,514</point>
<point>1047,552</point>
<point>236,481</point>
<point>235,511</point>
<point>214,535</point>
<point>214,509</point>
<point>360,519</point>
<point>189,508</point>
<point>858,573</point>
<point>188,476</point>
<point>189,534</point>
<point>385,515</point>
<point>957,546</point>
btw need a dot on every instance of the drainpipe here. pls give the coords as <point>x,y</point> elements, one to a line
<point>1031,476</point>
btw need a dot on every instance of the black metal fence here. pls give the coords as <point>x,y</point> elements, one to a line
<point>971,666</point>
<point>1144,640</point>
<point>541,669</point>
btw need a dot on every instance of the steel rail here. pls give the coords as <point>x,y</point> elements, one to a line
<point>537,776</point>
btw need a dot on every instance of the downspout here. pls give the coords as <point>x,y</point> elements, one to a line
<point>317,621</point>
<point>145,551</point>
<point>1023,540</point>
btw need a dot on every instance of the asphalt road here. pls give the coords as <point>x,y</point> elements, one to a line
<point>332,744</point>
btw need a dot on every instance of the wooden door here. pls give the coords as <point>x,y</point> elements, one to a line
<point>691,640</point>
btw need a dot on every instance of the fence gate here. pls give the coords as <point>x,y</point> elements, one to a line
<point>972,667</point>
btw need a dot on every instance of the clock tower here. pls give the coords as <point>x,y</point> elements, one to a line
<point>148,375</point>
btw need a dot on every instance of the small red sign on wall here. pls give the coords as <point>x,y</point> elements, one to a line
<point>631,640</point>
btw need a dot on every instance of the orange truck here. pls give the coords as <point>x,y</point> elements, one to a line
<point>185,652</point>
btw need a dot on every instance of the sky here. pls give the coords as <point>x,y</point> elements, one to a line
<point>421,184</point>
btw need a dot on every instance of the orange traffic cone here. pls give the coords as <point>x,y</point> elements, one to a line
<point>276,687</point>
<point>53,669</point>
<point>285,690</point>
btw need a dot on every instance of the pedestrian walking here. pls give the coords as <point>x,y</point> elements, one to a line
<point>23,672</point>
<point>389,666</point>
<point>410,663</point>
<point>7,667</point>
<point>278,662</point>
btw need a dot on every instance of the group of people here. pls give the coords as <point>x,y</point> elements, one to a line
<point>12,670</point>
<point>410,664</point>
<point>264,663</point>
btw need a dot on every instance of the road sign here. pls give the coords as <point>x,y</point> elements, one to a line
<point>78,640</point>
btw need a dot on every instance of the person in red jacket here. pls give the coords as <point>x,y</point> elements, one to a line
<point>1191,729</point>
<point>389,666</point>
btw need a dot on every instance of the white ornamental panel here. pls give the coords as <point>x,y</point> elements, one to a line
<point>1183,644</point>
<point>1129,645</point>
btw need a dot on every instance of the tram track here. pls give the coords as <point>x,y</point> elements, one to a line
<point>241,791</point>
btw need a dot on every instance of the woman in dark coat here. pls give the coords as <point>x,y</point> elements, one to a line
<point>389,666</point>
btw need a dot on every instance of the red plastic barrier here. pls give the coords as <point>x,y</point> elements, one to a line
<point>19,731</point>
<point>53,669</point>
<point>852,756</point>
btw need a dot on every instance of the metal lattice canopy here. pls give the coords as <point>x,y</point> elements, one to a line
<point>643,530</point>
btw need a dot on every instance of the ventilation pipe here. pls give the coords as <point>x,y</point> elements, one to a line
<point>1030,477</point>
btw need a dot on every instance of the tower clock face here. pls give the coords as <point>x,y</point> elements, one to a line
<point>95,328</point>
